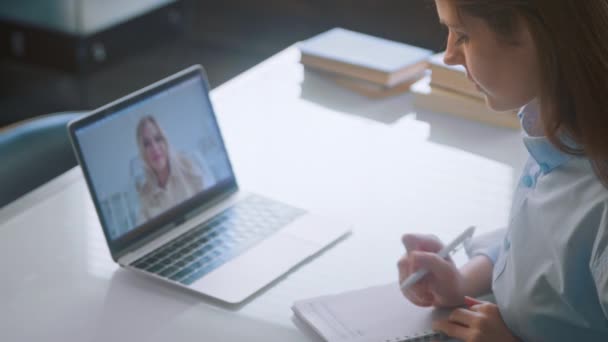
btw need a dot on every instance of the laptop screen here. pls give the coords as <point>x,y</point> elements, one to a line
<point>150,155</point>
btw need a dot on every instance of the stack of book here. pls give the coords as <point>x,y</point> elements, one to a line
<point>371,66</point>
<point>448,90</point>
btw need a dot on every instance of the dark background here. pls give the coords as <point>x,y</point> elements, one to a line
<point>227,37</point>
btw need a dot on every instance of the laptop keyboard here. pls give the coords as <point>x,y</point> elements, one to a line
<point>207,246</point>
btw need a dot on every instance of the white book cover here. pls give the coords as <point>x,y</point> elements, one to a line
<point>364,50</point>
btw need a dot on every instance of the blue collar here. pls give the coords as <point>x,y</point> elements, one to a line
<point>547,156</point>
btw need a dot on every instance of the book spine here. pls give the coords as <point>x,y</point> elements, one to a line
<point>371,75</point>
<point>453,80</point>
<point>467,108</point>
<point>407,73</point>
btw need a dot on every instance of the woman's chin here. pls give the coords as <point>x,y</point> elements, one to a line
<point>497,106</point>
<point>159,167</point>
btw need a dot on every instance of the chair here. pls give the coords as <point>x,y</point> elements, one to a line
<point>33,152</point>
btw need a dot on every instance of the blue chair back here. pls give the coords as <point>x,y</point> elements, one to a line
<point>34,152</point>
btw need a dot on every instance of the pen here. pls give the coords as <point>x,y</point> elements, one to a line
<point>443,253</point>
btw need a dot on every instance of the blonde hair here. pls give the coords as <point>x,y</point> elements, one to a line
<point>139,132</point>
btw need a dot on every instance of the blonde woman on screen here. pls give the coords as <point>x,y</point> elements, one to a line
<point>170,178</point>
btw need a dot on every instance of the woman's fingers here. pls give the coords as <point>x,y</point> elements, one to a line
<point>414,261</point>
<point>459,323</point>
<point>470,301</point>
<point>418,293</point>
<point>421,253</point>
<point>421,242</point>
<point>404,267</point>
<point>451,329</point>
<point>464,317</point>
<point>407,266</point>
<point>410,241</point>
<point>433,263</point>
<point>419,298</point>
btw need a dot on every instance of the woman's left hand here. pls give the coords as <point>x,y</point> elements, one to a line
<point>480,322</point>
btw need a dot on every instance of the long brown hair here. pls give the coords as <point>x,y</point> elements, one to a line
<point>571,37</point>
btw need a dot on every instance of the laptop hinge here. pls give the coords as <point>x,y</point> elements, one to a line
<point>179,227</point>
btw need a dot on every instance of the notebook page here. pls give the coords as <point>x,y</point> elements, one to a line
<point>377,314</point>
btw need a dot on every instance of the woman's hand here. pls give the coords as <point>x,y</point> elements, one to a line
<point>480,322</point>
<point>443,286</point>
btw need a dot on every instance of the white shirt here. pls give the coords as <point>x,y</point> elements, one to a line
<point>185,180</point>
<point>550,276</point>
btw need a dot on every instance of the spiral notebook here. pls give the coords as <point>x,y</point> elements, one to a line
<point>375,314</point>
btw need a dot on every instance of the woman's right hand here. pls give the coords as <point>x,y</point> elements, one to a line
<point>442,286</point>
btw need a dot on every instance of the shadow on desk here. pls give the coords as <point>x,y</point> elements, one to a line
<point>306,329</point>
<point>495,143</point>
<point>322,91</point>
<point>135,306</point>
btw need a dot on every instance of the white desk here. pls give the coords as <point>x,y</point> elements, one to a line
<point>376,164</point>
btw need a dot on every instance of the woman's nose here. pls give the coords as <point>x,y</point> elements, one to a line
<point>155,147</point>
<point>453,54</point>
<point>453,57</point>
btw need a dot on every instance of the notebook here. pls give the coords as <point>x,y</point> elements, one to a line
<point>375,314</point>
<point>363,56</point>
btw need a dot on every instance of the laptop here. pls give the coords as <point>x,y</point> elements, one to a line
<point>168,201</point>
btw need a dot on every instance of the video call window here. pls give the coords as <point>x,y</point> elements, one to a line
<point>153,156</point>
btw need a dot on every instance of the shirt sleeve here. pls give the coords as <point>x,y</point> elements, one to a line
<point>599,261</point>
<point>191,172</point>
<point>487,244</point>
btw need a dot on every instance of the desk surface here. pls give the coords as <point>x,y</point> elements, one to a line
<point>379,165</point>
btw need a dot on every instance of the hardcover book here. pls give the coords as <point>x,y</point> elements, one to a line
<point>362,56</point>
<point>441,100</point>
<point>451,77</point>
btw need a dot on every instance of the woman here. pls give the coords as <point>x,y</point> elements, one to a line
<point>170,179</point>
<point>549,273</point>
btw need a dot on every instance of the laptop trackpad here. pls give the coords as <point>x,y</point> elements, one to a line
<point>239,278</point>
